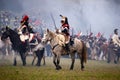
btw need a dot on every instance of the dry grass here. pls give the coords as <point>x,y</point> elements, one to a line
<point>95,70</point>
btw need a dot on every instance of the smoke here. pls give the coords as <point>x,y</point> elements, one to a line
<point>102,15</point>
<point>11,5</point>
<point>83,15</point>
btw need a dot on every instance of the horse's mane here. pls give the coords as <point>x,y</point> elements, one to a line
<point>14,35</point>
<point>13,32</point>
<point>52,34</point>
<point>59,38</point>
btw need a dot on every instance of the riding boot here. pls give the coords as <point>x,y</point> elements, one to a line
<point>67,48</point>
<point>71,41</point>
<point>27,44</point>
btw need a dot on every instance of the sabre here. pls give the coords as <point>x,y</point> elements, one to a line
<point>53,21</point>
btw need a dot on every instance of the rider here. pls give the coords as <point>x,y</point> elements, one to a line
<point>65,30</point>
<point>25,29</point>
<point>115,38</point>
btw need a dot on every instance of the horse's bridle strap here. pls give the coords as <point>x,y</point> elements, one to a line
<point>54,46</point>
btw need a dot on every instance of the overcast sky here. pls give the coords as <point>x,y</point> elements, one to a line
<point>102,15</point>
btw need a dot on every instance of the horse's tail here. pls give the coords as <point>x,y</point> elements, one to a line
<point>84,52</point>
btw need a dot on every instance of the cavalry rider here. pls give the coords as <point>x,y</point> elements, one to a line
<point>25,30</point>
<point>115,38</point>
<point>65,30</point>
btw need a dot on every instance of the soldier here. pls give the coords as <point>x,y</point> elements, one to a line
<point>65,30</point>
<point>25,28</point>
<point>115,38</point>
<point>25,31</point>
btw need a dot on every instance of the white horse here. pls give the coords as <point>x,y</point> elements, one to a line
<point>57,42</point>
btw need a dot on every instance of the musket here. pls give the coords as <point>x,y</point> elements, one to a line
<point>53,21</point>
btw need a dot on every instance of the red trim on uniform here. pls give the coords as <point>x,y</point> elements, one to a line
<point>65,25</point>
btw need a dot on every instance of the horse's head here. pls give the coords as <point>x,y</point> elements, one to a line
<point>5,33</point>
<point>48,35</point>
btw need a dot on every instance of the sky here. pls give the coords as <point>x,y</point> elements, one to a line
<point>83,15</point>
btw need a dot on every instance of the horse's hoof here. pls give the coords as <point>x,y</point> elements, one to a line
<point>38,64</point>
<point>57,68</point>
<point>14,65</point>
<point>71,68</point>
<point>60,67</point>
<point>82,69</point>
<point>24,64</point>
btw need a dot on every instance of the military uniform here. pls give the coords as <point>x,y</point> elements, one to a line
<point>115,38</point>
<point>65,30</point>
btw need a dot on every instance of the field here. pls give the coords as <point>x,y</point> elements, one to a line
<point>94,70</point>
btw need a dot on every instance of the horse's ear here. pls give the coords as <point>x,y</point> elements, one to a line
<point>7,28</point>
<point>47,30</point>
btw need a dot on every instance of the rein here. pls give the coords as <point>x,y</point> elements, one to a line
<point>54,46</point>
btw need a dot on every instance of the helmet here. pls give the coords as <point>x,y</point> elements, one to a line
<point>115,31</point>
<point>25,18</point>
<point>64,19</point>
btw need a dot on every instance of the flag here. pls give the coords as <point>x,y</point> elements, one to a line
<point>37,22</point>
<point>79,34</point>
<point>90,34</point>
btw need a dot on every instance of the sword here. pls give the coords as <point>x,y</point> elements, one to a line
<point>53,21</point>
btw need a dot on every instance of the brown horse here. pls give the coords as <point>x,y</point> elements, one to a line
<point>57,43</point>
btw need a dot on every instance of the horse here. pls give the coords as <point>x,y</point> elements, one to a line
<point>19,47</point>
<point>58,50</point>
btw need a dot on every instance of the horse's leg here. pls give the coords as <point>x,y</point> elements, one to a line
<point>44,63</point>
<point>38,61</point>
<point>23,57</point>
<point>34,58</point>
<point>81,60</point>
<point>43,56</point>
<point>54,60</point>
<point>58,62</point>
<point>39,54</point>
<point>14,56</point>
<point>73,60</point>
<point>82,63</point>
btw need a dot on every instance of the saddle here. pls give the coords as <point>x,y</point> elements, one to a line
<point>69,41</point>
<point>66,42</point>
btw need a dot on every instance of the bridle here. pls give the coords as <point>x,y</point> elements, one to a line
<point>50,40</point>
